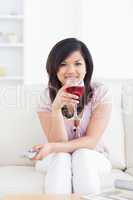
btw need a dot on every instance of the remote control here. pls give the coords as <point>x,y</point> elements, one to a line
<point>124,184</point>
<point>30,154</point>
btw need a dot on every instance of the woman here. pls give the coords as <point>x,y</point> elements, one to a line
<point>74,163</point>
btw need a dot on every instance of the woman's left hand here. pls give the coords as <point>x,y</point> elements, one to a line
<point>43,150</point>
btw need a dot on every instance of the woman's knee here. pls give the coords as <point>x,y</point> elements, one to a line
<point>86,157</point>
<point>85,152</point>
<point>82,157</point>
<point>82,161</point>
<point>62,158</point>
<point>59,160</point>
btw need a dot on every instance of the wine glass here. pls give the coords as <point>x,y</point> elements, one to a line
<point>76,87</point>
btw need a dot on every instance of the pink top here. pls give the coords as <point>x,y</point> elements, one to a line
<point>101,95</point>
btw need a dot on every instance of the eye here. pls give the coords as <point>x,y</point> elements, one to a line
<point>78,64</point>
<point>63,64</point>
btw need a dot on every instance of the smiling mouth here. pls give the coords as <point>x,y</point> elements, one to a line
<point>71,77</point>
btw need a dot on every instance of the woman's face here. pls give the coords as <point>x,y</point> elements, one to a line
<point>73,66</point>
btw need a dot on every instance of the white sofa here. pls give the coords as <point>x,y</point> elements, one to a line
<point>20,129</point>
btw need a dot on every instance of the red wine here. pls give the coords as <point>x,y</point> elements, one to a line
<point>77,90</point>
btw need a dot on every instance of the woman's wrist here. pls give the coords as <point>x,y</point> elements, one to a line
<point>53,147</point>
<point>55,109</point>
<point>58,147</point>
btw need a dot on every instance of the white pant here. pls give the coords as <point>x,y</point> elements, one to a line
<point>79,172</point>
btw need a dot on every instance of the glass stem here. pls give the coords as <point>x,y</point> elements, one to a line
<point>76,122</point>
<point>75,112</point>
<point>76,118</point>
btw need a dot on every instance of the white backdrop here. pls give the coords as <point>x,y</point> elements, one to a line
<point>106,26</point>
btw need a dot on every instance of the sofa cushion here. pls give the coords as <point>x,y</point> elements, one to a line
<point>20,179</point>
<point>19,124</point>
<point>109,180</point>
<point>114,133</point>
<point>127,96</point>
<point>26,180</point>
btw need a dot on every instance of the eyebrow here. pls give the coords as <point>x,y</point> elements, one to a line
<point>78,60</point>
<point>74,61</point>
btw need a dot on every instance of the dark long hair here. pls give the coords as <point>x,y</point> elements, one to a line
<point>58,54</point>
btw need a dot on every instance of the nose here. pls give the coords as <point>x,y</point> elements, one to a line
<point>71,69</point>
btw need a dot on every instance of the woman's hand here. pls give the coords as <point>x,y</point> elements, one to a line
<point>64,98</point>
<point>43,150</point>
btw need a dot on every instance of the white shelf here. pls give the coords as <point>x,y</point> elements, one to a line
<point>11,45</point>
<point>14,17</point>
<point>11,78</point>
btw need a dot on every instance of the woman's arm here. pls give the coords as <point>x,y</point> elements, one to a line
<point>53,126</point>
<point>53,122</point>
<point>95,129</point>
<point>97,125</point>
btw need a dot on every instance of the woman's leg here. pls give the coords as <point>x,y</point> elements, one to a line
<point>58,173</point>
<point>87,167</point>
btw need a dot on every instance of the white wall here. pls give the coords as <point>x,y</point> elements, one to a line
<point>105,26</point>
<point>47,22</point>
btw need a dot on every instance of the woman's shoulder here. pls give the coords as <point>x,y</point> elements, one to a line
<point>44,103</point>
<point>98,85</point>
<point>99,88</point>
<point>101,94</point>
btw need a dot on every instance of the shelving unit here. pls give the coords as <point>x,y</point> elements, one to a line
<point>13,17</point>
<point>12,78</point>
<point>12,41</point>
<point>12,45</point>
